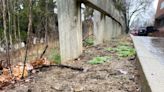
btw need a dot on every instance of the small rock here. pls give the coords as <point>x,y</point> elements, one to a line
<point>13,82</point>
<point>33,71</point>
<point>78,59</point>
<point>78,88</point>
<point>27,80</point>
<point>85,69</point>
<point>122,71</point>
<point>58,87</point>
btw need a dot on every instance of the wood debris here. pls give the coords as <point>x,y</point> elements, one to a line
<point>6,78</point>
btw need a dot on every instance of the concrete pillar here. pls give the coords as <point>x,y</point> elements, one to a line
<point>70,29</point>
<point>114,30</point>
<point>119,30</point>
<point>99,22</point>
<point>108,29</point>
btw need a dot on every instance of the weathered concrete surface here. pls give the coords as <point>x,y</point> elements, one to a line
<point>106,7</point>
<point>150,53</point>
<point>99,22</point>
<point>105,28</point>
<point>69,29</point>
<point>108,25</point>
<point>114,23</point>
<point>109,29</point>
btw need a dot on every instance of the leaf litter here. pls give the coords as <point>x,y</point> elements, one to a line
<point>117,75</point>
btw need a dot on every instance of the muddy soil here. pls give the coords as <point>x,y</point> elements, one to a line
<point>116,75</point>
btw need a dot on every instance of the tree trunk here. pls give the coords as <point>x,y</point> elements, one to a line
<point>9,21</point>
<point>19,35</point>
<point>28,33</point>
<point>14,21</point>
<point>5,32</point>
<point>30,21</point>
<point>46,24</point>
<point>126,23</point>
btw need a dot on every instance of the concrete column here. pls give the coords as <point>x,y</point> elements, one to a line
<point>99,22</point>
<point>69,29</point>
<point>108,29</point>
<point>116,31</point>
<point>119,30</point>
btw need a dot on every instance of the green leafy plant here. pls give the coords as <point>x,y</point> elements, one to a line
<point>54,56</point>
<point>98,60</point>
<point>124,44</point>
<point>111,49</point>
<point>123,50</point>
<point>89,41</point>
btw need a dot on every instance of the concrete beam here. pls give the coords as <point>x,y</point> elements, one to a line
<point>105,28</point>
<point>70,33</point>
<point>106,7</point>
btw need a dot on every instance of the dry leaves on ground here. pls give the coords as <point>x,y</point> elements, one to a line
<point>17,71</point>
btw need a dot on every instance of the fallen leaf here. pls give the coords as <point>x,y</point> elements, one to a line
<point>18,71</point>
<point>5,71</point>
<point>37,63</point>
<point>5,80</point>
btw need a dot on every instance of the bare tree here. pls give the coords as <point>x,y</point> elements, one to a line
<point>14,20</point>
<point>131,9</point>
<point>9,20</point>
<point>145,19</point>
<point>28,33</point>
<point>5,33</point>
<point>46,24</point>
<point>135,7</point>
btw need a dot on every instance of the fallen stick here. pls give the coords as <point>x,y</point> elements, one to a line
<point>62,66</point>
<point>44,51</point>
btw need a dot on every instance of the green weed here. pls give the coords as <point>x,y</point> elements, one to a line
<point>98,60</point>
<point>89,41</point>
<point>123,50</point>
<point>54,56</point>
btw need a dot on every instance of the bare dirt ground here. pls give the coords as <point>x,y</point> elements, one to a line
<point>116,75</point>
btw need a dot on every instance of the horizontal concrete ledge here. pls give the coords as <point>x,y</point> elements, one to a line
<point>106,7</point>
<point>150,52</point>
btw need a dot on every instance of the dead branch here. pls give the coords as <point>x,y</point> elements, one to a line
<point>61,66</point>
<point>44,51</point>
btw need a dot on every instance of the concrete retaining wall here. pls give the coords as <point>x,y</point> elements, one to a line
<point>106,7</point>
<point>70,29</point>
<point>105,28</point>
<point>108,24</point>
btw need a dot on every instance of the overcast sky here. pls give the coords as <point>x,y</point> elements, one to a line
<point>147,16</point>
<point>155,4</point>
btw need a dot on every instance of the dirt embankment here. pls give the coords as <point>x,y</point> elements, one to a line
<point>118,74</point>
